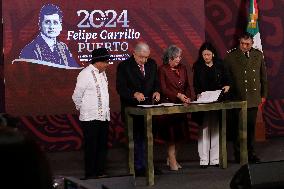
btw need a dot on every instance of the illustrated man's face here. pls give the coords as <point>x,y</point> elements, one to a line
<point>245,44</point>
<point>51,26</point>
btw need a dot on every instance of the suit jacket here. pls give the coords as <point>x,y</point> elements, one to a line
<point>129,80</point>
<point>249,78</point>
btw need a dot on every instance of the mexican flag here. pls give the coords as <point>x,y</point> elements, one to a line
<point>252,27</point>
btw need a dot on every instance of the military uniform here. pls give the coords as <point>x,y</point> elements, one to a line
<point>249,82</point>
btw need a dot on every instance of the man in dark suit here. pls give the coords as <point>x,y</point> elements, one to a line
<point>249,82</point>
<point>137,83</point>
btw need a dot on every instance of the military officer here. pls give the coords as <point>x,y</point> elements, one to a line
<point>249,82</point>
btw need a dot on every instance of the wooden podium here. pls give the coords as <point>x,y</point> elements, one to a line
<point>148,112</point>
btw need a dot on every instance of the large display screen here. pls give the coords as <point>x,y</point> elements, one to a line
<point>40,73</point>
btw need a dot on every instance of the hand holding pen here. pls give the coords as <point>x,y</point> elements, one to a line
<point>139,96</point>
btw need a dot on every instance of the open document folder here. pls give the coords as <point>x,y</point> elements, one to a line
<point>208,96</point>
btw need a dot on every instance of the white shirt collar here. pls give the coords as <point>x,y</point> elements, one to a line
<point>50,42</point>
<point>95,69</point>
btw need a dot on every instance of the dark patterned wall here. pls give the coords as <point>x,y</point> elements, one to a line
<point>272,25</point>
<point>224,21</point>
<point>2,87</point>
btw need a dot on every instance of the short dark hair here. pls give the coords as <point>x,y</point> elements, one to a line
<point>49,9</point>
<point>246,35</point>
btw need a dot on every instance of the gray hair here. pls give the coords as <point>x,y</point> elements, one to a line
<point>170,53</point>
<point>141,46</point>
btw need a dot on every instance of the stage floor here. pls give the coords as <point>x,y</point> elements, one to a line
<point>190,176</point>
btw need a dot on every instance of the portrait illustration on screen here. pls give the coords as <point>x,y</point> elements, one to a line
<point>46,49</point>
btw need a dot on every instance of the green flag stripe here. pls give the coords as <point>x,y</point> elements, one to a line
<point>252,27</point>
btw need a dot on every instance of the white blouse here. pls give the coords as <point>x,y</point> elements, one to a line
<point>91,95</point>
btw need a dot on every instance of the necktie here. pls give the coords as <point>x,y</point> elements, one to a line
<point>247,54</point>
<point>141,67</point>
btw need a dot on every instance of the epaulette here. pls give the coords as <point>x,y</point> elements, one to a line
<point>257,49</point>
<point>232,50</point>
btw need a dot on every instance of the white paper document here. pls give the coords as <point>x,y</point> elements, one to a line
<point>162,104</point>
<point>208,96</point>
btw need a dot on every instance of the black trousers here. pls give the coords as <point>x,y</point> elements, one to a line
<point>139,142</point>
<point>251,122</point>
<point>95,146</point>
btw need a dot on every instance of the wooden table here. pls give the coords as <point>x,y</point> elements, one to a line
<point>148,112</point>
